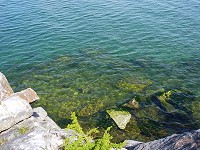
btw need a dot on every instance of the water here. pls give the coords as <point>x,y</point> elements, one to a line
<point>76,54</point>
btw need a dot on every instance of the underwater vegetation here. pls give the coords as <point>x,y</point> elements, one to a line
<point>84,141</point>
<point>92,83</point>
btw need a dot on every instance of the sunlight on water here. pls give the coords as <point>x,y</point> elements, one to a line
<point>89,56</point>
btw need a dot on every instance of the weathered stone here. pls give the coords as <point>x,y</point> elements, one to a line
<point>5,89</point>
<point>42,133</point>
<point>29,94</point>
<point>121,118</point>
<point>131,143</point>
<point>19,108</point>
<point>39,113</point>
<point>51,123</point>
<point>185,141</point>
<point>38,139</point>
<point>6,119</point>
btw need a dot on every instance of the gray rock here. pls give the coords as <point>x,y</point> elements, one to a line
<point>41,133</point>
<point>19,108</point>
<point>131,143</point>
<point>39,113</point>
<point>5,89</point>
<point>13,110</point>
<point>38,139</point>
<point>6,119</point>
<point>185,141</point>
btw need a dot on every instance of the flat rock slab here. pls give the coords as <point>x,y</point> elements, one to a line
<point>121,118</point>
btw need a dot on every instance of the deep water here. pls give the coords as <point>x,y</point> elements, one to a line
<point>88,56</point>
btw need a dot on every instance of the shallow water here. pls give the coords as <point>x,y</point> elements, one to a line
<point>85,55</point>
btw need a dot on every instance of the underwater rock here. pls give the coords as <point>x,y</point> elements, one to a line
<point>120,117</point>
<point>5,89</point>
<point>134,84</point>
<point>131,104</point>
<point>91,108</point>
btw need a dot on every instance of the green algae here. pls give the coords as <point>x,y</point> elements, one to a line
<point>91,108</point>
<point>134,84</point>
<point>89,85</point>
<point>195,108</point>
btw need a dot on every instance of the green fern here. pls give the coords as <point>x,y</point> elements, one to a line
<point>84,140</point>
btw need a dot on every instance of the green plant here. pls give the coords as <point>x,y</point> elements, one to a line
<point>84,141</point>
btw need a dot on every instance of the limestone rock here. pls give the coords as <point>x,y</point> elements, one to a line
<point>39,113</point>
<point>16,108</point>
<point>29,94</point>
<point>42,133</point>
<point>37,139</point>
<point>121,118</point>
<point>6,119</point>
<point>5,89</point>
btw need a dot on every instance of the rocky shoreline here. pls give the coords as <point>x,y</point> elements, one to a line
<point>25,128</point>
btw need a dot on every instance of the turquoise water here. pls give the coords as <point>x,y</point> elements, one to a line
<point>76,54</point>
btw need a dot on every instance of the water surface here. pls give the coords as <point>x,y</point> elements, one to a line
<point>78,55</point>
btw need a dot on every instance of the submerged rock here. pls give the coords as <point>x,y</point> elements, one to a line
<point>121,118</point>
<point>133,84</point>
<point>131,104</point>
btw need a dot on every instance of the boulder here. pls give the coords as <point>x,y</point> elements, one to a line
<point>5,89</point>
<point>120,117</point>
